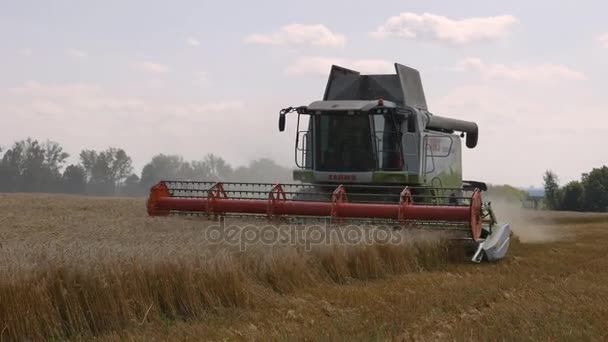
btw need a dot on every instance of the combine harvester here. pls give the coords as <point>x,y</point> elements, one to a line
<point>370,151</point>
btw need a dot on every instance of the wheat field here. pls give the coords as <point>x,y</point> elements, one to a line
<point>77,268</point>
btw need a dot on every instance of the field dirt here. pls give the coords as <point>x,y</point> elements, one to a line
<point>76,268</point>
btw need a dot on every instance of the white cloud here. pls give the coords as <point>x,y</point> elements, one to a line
<point>83,99</point>
<point>27,52</point>
<point>193,41</point>
<point>300,34</point>
<point>322,65</point>
<point>153,67</point>
<point>528,119</point>
<point>71,98</point>
<point>34,88</point>
<point>76,53</point>
<point>537,72</point>
<point>89,116</point>
<point>201,79</point>
<point>603,40</point>
<point>434,27</point>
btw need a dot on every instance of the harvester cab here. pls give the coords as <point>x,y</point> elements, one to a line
<point>376,129</point>
<point>369,151</point>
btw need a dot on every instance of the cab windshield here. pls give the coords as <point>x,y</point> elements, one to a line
<point>344,143</point>
<point>358,142</point>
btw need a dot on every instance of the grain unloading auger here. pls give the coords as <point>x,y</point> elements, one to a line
<point>370,151</point>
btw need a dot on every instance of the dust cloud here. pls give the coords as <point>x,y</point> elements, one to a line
<point>530,226</point>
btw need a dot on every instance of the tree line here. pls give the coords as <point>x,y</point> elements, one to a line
<point>590,193</point>
<point>33,166</point>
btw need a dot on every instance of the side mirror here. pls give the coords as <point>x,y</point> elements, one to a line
<point>281,122</point>
<point>471,139</point>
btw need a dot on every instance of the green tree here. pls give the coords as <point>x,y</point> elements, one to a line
<point>88,159</point>
<point>32,166</point>
<point>551,190</point>
<point>120,165</point>
<point>506,193</point>
<point>199,171</point>
<point>51,170</point>
<point>572,196</point>
<point>74,179</point>
<point>11,168</point>
<point>106,170</point>
<point>131,186</point>
<point>219,169</point>
<point>34,175</point>
<point>167,167</point>
<point>595,184</point>
<point>262,170</point>
<point>54,156</point>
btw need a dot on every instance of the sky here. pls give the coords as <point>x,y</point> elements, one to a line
<point>197,77</point>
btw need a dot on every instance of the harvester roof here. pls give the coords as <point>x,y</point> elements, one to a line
<point>404,87</point>
<point>345,105</point>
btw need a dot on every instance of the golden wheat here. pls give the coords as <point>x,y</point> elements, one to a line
<point>75,266</point>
